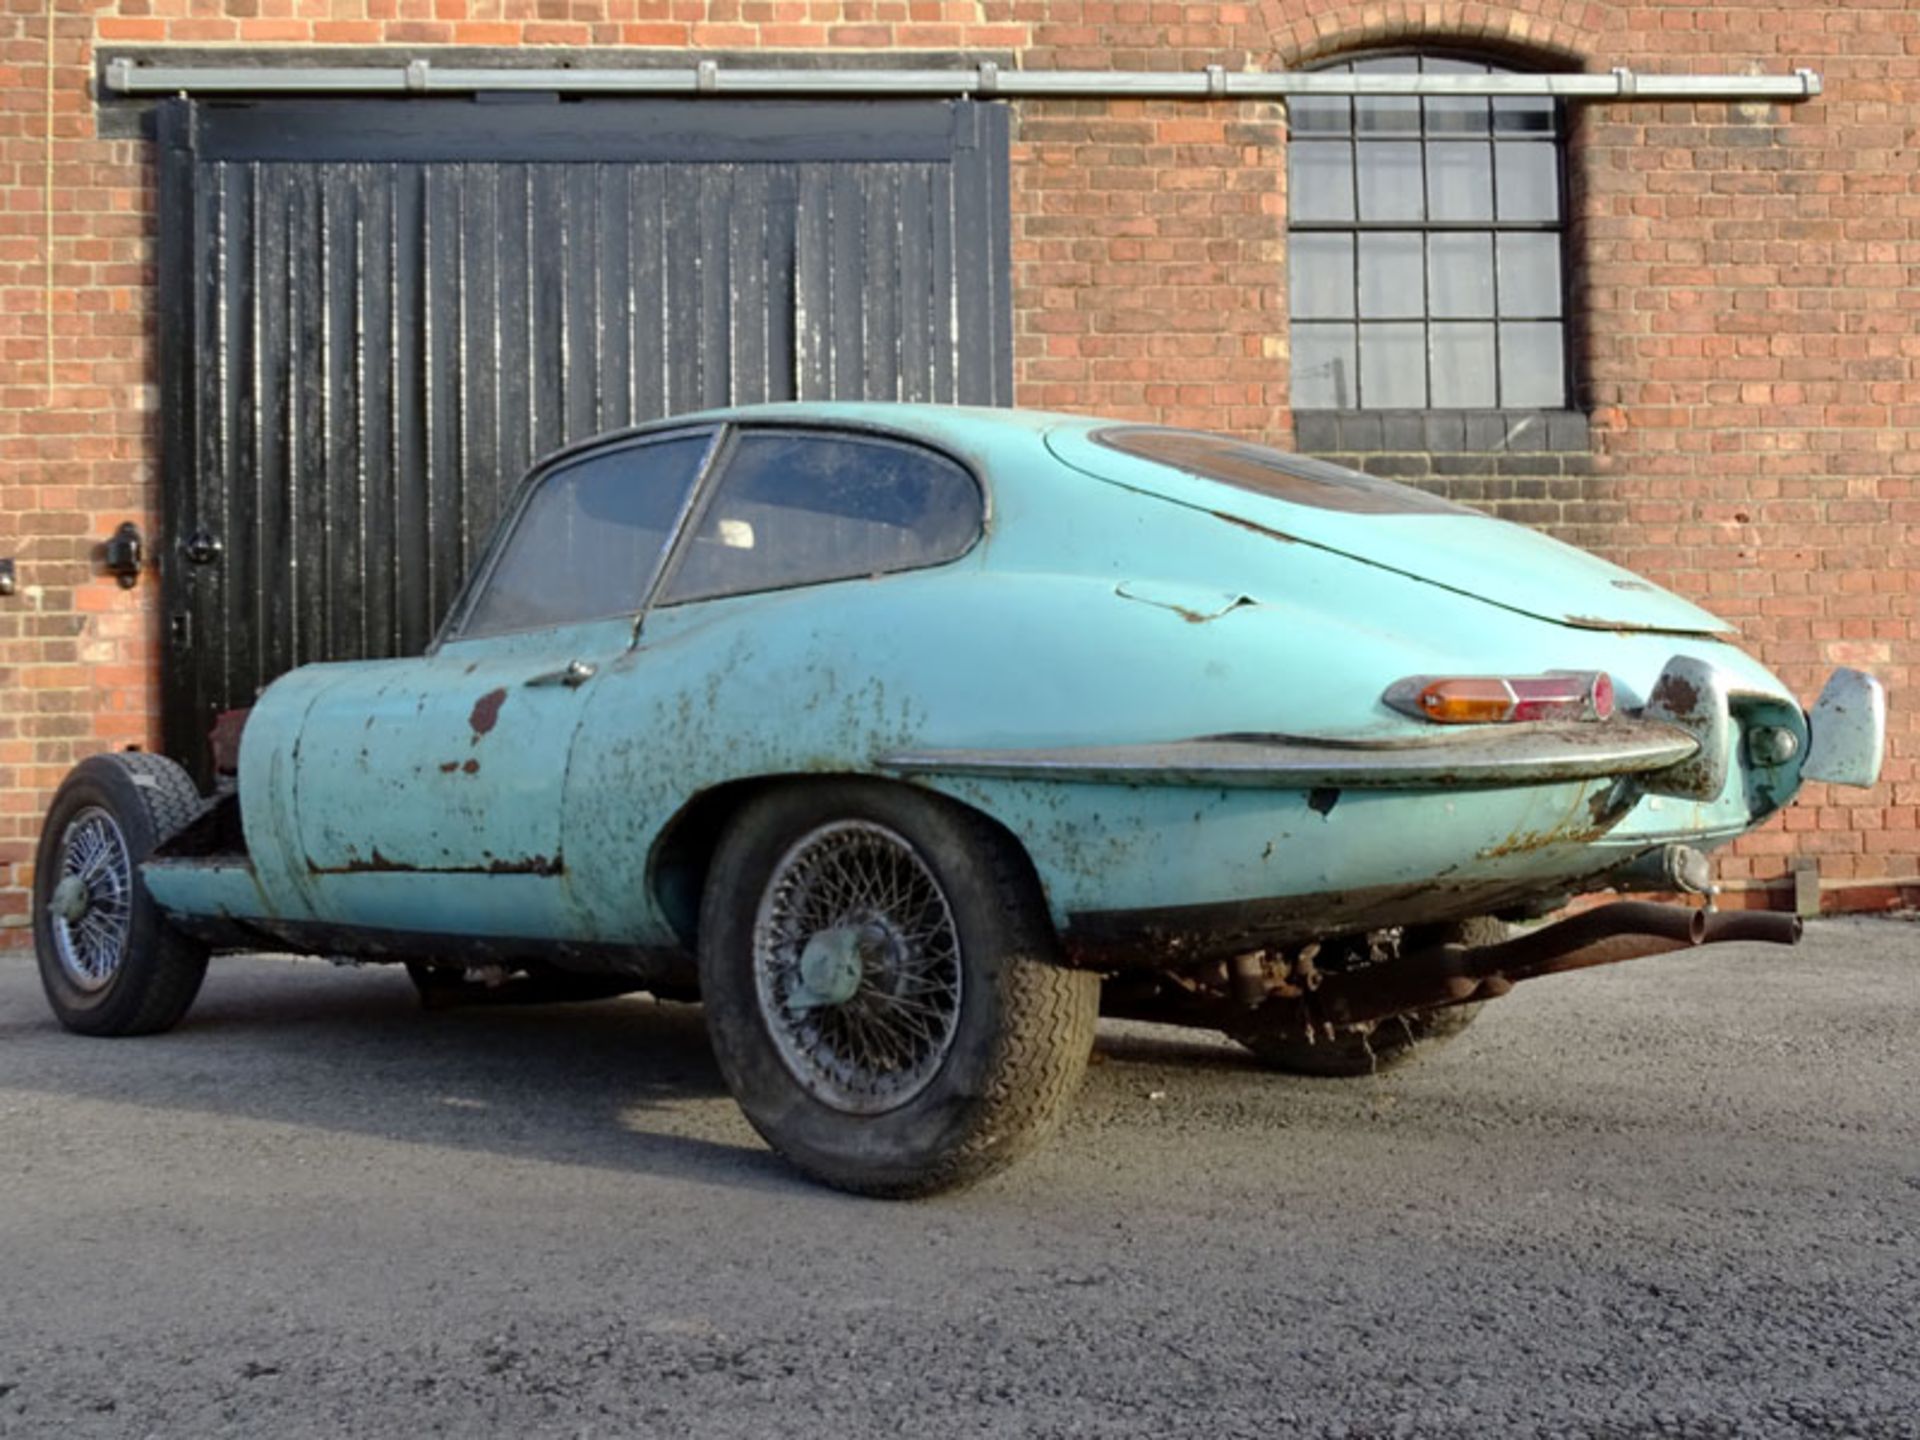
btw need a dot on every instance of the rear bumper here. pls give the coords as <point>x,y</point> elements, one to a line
<point>1692,738</point>
<point>1536,754</point>
<point>1196,846</point>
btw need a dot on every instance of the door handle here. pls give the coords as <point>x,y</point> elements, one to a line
<point>576,672</point>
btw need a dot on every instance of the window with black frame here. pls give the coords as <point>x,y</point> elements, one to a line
<point>803,507</point>
<point>1426,246</point>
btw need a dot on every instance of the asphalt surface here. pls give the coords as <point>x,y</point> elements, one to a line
<point>1678,1198</point>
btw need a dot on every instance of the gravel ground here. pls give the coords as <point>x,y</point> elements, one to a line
<point>1678,1198</point>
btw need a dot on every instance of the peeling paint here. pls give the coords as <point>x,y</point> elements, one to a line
<point>1191,603</point>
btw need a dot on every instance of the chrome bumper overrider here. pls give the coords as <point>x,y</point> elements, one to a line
<point>1848,729</point>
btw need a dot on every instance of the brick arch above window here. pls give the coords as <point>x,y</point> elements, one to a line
<point>1427,246</point>
<point>1563,34</point>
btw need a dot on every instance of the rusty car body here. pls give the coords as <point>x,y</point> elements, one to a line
<point>1256,738</point>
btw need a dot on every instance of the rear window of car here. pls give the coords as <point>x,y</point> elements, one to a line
<point>799,508</point>
<point>1266,471</point>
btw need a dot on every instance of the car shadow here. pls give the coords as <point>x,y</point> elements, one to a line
<point>627,1084</point>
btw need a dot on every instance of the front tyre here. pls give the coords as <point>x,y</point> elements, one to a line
<point>109,961</point>
<point>881,987</point>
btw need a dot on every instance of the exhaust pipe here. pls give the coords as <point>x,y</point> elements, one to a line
<point>1456,975</point>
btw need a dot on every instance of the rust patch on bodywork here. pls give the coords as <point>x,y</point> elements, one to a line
<point>373,864</point>
<point>1220,603</point>
<point>1680,696</point>
<point>1525,842</point>
<point>471,767</point>
<point>380,864</point>
<point>486,713</point>
<point>1584,822</point>
<point>532,865</point>
<point>1256,528</point>
<point>224,740</point>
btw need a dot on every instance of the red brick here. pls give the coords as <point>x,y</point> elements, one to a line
<point>1750,325</point>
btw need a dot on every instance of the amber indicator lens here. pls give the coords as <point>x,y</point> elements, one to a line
<point>1504,699</point>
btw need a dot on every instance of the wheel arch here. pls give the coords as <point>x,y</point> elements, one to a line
<point>683,851</point>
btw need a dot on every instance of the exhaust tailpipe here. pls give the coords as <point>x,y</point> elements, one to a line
<point>1456,975</point>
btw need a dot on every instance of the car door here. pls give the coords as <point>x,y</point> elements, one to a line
<point>429,791</point>
<point>775,596</point>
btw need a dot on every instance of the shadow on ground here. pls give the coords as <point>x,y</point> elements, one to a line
<point>627,1084</point>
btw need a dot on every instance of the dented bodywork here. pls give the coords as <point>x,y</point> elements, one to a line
<point>1165,690</point>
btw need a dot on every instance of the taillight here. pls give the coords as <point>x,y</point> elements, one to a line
<point>1504,699</point>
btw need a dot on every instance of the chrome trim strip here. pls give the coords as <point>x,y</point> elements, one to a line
<point>1534,754</point>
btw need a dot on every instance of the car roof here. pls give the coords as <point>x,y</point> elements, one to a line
<point>946,426</point>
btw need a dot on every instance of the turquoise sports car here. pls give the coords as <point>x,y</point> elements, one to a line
<point>898,735</point>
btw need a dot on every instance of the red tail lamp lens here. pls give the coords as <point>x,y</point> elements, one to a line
<point>1504,699</point>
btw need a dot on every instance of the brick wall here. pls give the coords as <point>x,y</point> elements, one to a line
<point>1745,278</point>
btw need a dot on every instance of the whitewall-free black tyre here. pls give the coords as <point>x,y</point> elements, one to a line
<point>883,989</point>
<point>109,961</point>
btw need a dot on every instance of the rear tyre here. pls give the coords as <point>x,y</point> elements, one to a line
<point>882,988</point>
<point>110,962</point>
<point>1367,1050</point>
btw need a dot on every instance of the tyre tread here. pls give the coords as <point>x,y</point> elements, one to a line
<point>1040,1052</point>
<point>169,802</point>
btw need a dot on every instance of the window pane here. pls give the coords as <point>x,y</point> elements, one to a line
<point>1323,370</point>
<point>1294,478</point>
<point>1450,115</point>
<point>1390,276</point>
<point>1530,275</point>
<point>1321,276</point>
<point>1320,180</point>
<point>1387,114</point>
<point>1459,180</point>
<point>1389,180</point>
<point>1449,238</point>
<point>1319,115</point>
<point>797,509</point>
<point>1529,180</point>
<point>1463,366</point>
<point>587,543</point>
<point>1524,115</point>
<point>1460,272</point>
<point>1532,366</point>
<point>1393,366</point>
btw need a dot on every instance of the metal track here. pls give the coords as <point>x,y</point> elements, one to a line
<point>984,81</point>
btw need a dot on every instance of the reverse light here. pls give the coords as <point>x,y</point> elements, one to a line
<point>1504,699</point>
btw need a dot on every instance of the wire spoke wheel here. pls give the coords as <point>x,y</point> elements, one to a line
<point>110,961</point>
<point>91,911</point>
<point>878,971</point>
<point>857,965</point>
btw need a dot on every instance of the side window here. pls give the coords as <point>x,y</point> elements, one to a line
<point>796,508</point>
<point>589,539</point>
